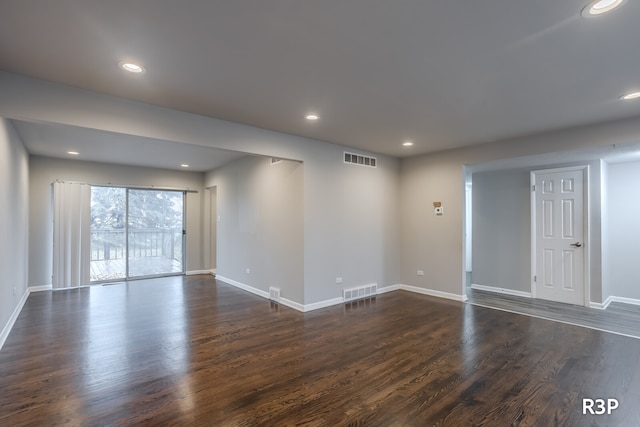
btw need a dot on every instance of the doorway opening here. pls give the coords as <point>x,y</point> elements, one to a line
<point>136,233</point>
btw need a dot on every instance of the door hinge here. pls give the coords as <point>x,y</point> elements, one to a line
<point>535,278</point>
<point>184,232</point>
<point>533,188</point>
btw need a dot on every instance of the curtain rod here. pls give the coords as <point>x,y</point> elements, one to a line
<point>133,187</point>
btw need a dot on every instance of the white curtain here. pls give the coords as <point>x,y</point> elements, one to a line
<point>71,227</point>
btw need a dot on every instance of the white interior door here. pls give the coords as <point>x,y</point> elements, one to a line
<point>559,235</point>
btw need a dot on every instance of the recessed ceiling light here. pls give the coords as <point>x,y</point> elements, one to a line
<point>312,117</point>
<point>407,143</point>
<point>630,95</point>
<point>73,153</point>
<point>598,7</point>
<point>184,165</point>
<point>132,68</point>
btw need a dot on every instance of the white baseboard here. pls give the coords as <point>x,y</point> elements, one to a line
<point>323,304</point>
<point>284,301</point>
<point>195,272</point>
<point>40,288</point>
<point>612,298</point>
<point>601,305</point>
<point>501,290</point>
<point>335,301</point>
<point>292,304</point>
<point>14,316</point>
<point>242,286</point>
<point>433,293</point>
<point>625,300</point>
<point>388,289</point>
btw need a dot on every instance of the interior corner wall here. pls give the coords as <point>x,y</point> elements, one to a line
<point>44,171</point>
<point>624,230</point>
<point>14,211</point>
<point>502,230</point>
<point>260,224</point>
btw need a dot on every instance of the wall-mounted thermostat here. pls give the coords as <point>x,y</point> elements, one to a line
<point>439,210</point>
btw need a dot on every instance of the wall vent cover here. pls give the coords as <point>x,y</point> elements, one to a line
<point>360,292</point>
<point>274,294</point>
<point>275,161</point>
<point>360,160</point>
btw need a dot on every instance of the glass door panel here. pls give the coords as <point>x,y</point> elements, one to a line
<point>108,260</point>
<point>155,237</point>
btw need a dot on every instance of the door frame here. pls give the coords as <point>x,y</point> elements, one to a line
<point>586,213</point>
<point>127,189</point>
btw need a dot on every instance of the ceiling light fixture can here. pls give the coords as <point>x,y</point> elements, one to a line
<point>630,95</point>
<point>312,117</point>
<point>599,7</point>
<point>73,153</point>
<point>407,143</point>
<point>132,68</point>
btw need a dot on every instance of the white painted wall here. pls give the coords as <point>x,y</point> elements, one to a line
<point>261,226</point>
<point>14,213</point>
<point>44,171</point>
<point>624,230</point>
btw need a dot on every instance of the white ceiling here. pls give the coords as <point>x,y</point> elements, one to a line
<point>443,74</point>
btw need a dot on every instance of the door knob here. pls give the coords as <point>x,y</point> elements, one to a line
<point>576,245</point>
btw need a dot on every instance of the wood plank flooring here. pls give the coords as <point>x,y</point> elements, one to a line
<point>193,351</point>
<point>618,318</point>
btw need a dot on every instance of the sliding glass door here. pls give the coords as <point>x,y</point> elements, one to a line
<point>136,233</point>
<point>155,232</point>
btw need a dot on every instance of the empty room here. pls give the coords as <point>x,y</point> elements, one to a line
<point>319,213</point>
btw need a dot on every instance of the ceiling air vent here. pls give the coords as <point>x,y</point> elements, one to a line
<point>360,160</point>
<point>275,161</point>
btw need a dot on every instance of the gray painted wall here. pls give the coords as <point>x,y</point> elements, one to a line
<point>435,244</point>
<point>261,226</point>
<point>430,243</point>
<point>509,191</point>
<point>624,229</point>
<point>397,207</point>
<point>44,171</point>
<point>14,211</point>
<point>502,230</point>
<point>351,223</point>
<point>335,194</point>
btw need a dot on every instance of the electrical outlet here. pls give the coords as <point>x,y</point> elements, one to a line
<point>248,271</point>
<point>420,273</point>
<point>338,280</point>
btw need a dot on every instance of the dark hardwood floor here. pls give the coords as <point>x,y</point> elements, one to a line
<point>190,351</point>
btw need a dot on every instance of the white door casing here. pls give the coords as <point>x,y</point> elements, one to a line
<point>558,232</point>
